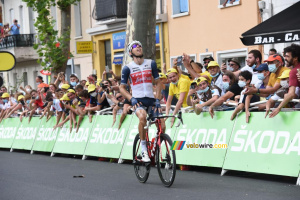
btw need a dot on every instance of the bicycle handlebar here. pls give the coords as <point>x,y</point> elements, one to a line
<point>178,116</point>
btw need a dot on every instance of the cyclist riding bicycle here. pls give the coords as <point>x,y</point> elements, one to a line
<point>139,72</point>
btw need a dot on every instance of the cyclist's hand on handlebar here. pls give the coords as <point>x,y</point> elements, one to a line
<point>135,103</point>
<point>157,106</point>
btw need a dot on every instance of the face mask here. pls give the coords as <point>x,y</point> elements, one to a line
<point>5,100</point>
<point>272,68</point>
<point>284,84</point>
<point>28,101</point>
<point>37,83</point>
<point>253,67</point>
<point>230,69</point>
<point>28,90</point>
<point>73,83</point>
<point>217,74</point>
<point>175,83</point>
<point>225,85</point>
<point>203,91</point>
<point>242,84</point>
<point>37,97</point>
<point>261,76</point>
<point>93,94</point>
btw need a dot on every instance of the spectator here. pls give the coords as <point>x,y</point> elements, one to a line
<point>206,60</point>
<point>234,66</point>
<point>203,94</point>
<point>61,79</point>
<point>38,104</point>
<point>214,70</point>
<point>1,32</point>
<point>78,89</point>
<point>6,30</point>
<point>65,87</point>
<point>3,89</point>
<point>292,58</point>
<point>122,107</point>
<point>165,89</point>
<point>231,88</point>
<point>74,80</point>
<point>244,80</point>
<point>15,28</point>
<point>83,82</point>
<point>272,52</point>
<point>179,89</point>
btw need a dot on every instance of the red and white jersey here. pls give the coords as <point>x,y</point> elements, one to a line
<point>140,77</point>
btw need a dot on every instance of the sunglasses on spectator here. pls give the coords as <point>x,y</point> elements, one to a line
<point>206,62</point>
<point>135,46</point>
<point>232,64</point>
<point>119,97</point>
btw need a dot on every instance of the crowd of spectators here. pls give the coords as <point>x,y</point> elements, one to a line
<point>204,87</point>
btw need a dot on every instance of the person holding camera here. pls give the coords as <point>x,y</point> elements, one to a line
<point>61,79</point>
<point>15,28</point>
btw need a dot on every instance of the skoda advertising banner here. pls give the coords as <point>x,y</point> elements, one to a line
<point>26,133</point>
<point>265,145</point>
<point>133,131</point>
<point>8,129</point>
<point>107,140</point>
<point>206,139</point>
<point>71,142</point>
<point>46,136</point>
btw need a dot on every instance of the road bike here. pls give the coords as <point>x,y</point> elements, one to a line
<point>159,151</point>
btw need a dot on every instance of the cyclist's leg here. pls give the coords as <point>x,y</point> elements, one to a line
<point>142,115</point>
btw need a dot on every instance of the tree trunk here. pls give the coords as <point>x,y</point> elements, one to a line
<point>65,32</point>
<point>141,22</point>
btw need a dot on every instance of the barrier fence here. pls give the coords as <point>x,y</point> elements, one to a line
<point>264,145</point>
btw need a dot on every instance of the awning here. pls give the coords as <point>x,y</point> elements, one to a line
<point>118,59</point>
<point>281,28</point>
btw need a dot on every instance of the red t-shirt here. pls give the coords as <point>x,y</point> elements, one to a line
<point>293,81</point>
<point>39,103</point>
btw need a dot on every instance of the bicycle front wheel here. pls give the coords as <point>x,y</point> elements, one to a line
<point>166,160</point>
<point>141,169</point>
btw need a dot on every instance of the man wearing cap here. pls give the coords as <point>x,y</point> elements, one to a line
<point>165,91</point>
<point>74,81</point>
<point>65,87</point>
<point>234,65</point>
<point>275,66</point>
<point>292,59</point>
<point>215,72</point>
<point>206,60</point>
<point>203,94</point>
<point>179,89</point>
<point>139,73</point>
<point>20,105</point>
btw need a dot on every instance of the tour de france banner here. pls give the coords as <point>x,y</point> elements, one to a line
<point>46,136</point>
<point>71,142</point>
<point>26,133</point>
<point>265,145</point>
<point>203,141</point>
<point>133,131</point>
<point>8,129</point>
<point>107,140</point>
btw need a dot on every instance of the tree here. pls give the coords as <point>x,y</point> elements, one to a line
<point>141,22</point>
<point>53,50</point>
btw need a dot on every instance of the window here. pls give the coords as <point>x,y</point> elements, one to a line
<point>180,8</point>
<point>11,15</point>
<point>25,79</point>
<point>240,54</point>
<point>228,3</point>
<point>77,14</point>
<point>31,20</point>
<point>21,21</point>
<point>192,56</point>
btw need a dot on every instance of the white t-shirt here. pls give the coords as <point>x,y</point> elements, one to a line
<point>255,81</point>
<point>56,105</point>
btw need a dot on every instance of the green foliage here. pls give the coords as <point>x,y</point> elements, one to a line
<point>48,36</point>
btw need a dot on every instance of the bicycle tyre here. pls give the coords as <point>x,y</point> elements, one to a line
<point>141,170</point>
<point>169,163</point>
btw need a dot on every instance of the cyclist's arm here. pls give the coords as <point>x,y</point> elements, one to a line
<point>124,80</point>
<point>158,88</point>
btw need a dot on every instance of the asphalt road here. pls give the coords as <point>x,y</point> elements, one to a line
<point>24,176</point>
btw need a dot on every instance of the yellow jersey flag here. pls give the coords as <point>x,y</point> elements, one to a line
<point>7,61</point>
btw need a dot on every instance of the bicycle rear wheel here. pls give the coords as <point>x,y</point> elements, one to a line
<point>166,160</point>
<point>141,169</point>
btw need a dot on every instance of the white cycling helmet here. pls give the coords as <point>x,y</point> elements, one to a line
<point>129,47</point>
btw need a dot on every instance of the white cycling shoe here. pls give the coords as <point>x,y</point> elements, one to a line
<point>145,157</point>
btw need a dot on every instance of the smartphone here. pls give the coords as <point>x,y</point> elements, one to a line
<point>107,69</point>
<point>179,60</point>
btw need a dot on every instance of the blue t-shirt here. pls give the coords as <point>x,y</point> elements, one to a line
<point>15,30</point>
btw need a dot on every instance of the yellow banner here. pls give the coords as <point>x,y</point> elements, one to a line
<point>84,47</point>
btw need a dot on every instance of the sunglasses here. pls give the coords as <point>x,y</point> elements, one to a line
<point>232,64</point>
<point>205,62</point>
<point>119,97</point>
<point>135,46</point>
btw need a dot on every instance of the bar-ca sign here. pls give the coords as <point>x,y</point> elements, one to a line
<point>272,38</point>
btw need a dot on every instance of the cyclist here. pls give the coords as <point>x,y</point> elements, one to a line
<point>139,72</point>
